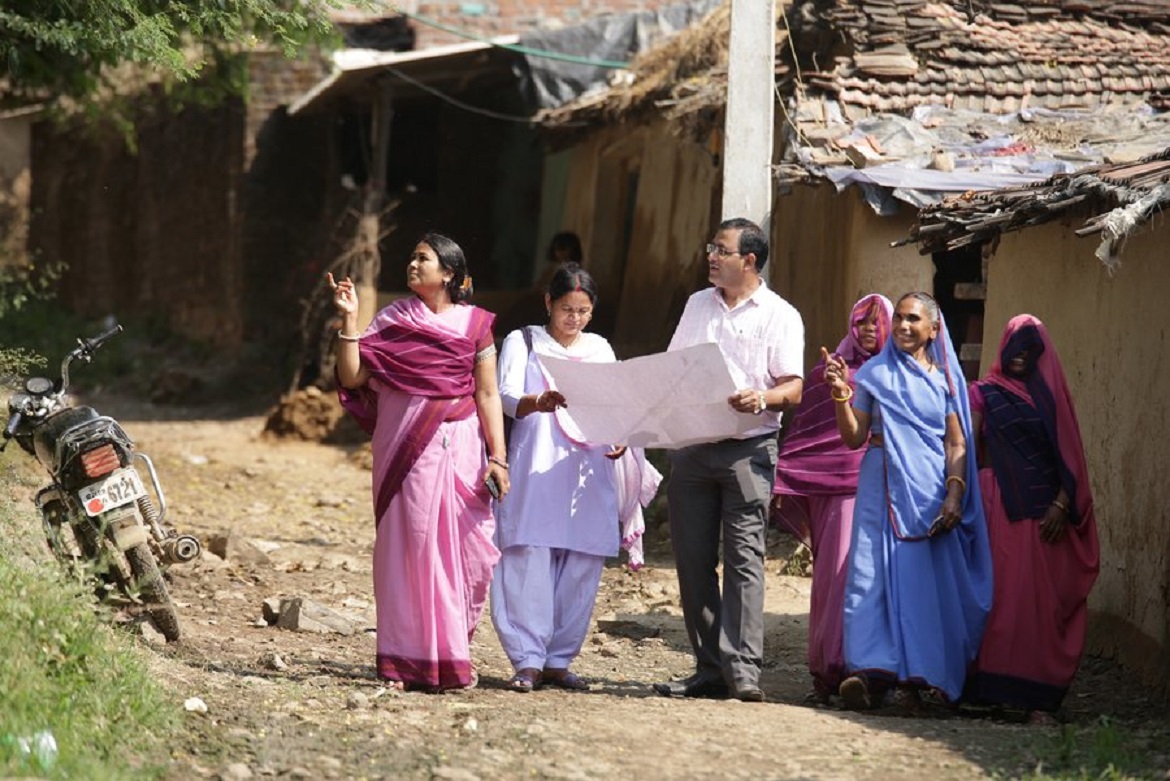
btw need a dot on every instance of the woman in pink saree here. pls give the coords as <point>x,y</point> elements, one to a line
<point>422,380</point>
<point>815,489</point>
<point>1040,517</point>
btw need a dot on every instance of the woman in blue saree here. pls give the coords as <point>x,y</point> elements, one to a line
<point>919,583</point>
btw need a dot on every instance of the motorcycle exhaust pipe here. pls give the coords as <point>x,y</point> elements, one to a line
<point>181,549</point>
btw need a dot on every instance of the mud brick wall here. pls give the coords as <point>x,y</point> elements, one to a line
<point>274,83</point>
<point>144,232</point>
<point>285,185</point>
<point>203,225</point>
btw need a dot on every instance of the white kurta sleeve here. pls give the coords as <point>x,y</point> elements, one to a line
<point>511,368</point>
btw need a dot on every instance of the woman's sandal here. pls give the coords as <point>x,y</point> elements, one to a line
<point>525,680</point>
<point>909,700</point>
<point>817,698</point>
<point>854,693</point>
<point>564,678</point>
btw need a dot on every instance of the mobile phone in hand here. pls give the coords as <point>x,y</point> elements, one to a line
<point>492,486</point>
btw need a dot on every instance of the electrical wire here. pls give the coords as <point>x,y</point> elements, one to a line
<point>800,89</point>
<point>531,121</point>
<point>550,55</point>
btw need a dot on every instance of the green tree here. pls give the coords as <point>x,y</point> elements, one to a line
<point>71,48</point>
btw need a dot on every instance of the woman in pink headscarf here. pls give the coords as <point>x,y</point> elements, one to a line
<point>1040,517</point>
<point>816,482</point>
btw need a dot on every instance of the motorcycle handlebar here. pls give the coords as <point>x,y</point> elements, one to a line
<point>13,424</point>
<point>100,339</point>
<point>84,351</point>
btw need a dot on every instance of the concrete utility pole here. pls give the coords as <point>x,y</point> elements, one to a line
<point>747,141</point>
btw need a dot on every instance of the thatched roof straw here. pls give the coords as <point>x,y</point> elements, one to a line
<point>683,76</point>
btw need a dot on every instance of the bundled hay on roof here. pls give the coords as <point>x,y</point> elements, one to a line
<point>686,74</point>
<point>691,55</point>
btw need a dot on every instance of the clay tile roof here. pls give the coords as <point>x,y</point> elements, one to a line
<point>869,53</point>
<point>1068,49</point>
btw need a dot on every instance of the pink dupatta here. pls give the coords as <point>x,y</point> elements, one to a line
<point>813,461</point>
<point>406,348</point>
<point>1070,448</point>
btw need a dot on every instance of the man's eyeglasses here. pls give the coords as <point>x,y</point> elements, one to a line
<point>721,251</point>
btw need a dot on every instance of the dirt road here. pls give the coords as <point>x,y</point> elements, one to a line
<point>302,705</point>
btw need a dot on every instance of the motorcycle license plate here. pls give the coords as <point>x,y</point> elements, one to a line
<point>121,487</point>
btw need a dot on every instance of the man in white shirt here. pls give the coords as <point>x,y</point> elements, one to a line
<point>724,487</point>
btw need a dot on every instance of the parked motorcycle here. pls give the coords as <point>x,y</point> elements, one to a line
<point>99,517</point>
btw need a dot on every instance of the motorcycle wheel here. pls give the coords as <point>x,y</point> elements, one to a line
<point>54,515</point>
<point>152,589</point>
<point>76,546</point>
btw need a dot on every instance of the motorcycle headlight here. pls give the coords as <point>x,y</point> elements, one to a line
<point>100,461</point>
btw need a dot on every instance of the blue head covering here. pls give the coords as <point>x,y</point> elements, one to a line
<point>914,406</point>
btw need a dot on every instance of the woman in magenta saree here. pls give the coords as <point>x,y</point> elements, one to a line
<point>1039,509</point>
<point>815,487</point>
<point>421,380</point>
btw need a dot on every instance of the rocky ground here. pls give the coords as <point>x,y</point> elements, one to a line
<point>293,519</point>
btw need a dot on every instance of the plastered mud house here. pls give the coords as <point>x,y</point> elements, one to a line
<point>885,108</point>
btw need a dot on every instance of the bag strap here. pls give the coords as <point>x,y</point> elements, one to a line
<point>508,421</point>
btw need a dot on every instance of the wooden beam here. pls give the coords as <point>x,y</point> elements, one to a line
<point>368,265</point>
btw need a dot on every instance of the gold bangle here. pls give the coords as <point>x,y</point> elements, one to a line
<point>962,483</point>
<point>842,399</point>
<point>1061,505</point>
<point>498,462</point>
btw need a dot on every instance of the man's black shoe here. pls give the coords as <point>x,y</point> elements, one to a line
<point>749,692</point>
<point>695,686</point>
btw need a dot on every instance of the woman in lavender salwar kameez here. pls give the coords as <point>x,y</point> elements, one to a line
<point>421,379</point>
<point>919,585</point>
<point>561,520</point>
<point>816,480</point>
